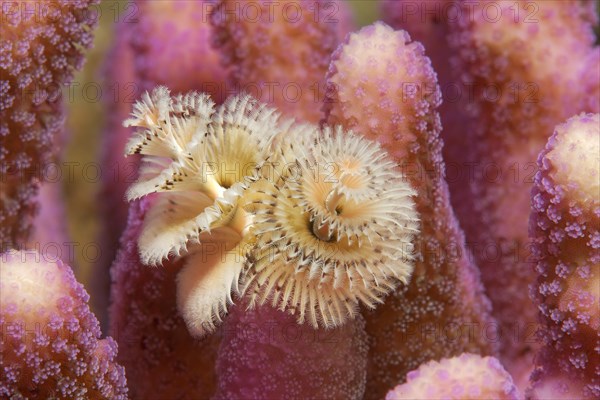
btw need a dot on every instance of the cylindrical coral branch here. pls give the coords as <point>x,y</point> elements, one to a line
<point>466,377</point>
<point>279,51</point>
<point>265,354</point>
<point>565,229</point>
<point>382,86</point>
<point>41,44</point>
<point>161,357</point>
<point>50,344</point>
<point>427,21</point>
<point>523,71</point>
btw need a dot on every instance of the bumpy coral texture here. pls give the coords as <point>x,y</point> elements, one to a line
<point>427,22</point>
<point>161,357</point>
<point>266,354</point>
<point>466,377</point>
<point>526,71</point>
<point>382,86</point>
<point>565,229</point>
<point>39,52</point>
<point>50,344</point>
<point>279,51</point>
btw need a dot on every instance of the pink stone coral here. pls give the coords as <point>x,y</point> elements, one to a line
<point>564,227</point>
<point>526,71</point>
<point>41,45</point>
<point>257,37</point>
<point>382,86</point>
<point>295,361</point>
<point>466,377</point>
<point>50,344</point>
<point>428,22</point>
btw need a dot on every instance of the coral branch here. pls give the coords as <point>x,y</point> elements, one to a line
<point>50,344</point>
<point>279,51</point>
<point>295,361</point>
<point>565,229</point>
<point>41,45</point>
<point>526,70</point>
<point>466,377</point>
<point>382,86</point>
<point>427,22</point>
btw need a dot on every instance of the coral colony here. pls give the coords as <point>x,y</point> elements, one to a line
<point>287,221</point>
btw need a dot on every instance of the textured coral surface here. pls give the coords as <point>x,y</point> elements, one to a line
<point>41,44</point>
<point>295,361</point>
<point>50,343</point>
<point>443,311</point>
<point>505,83</point>
<point>256,40</point>
<point>565,229</point>
<point>466,377</point>
<point>527,70</point>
